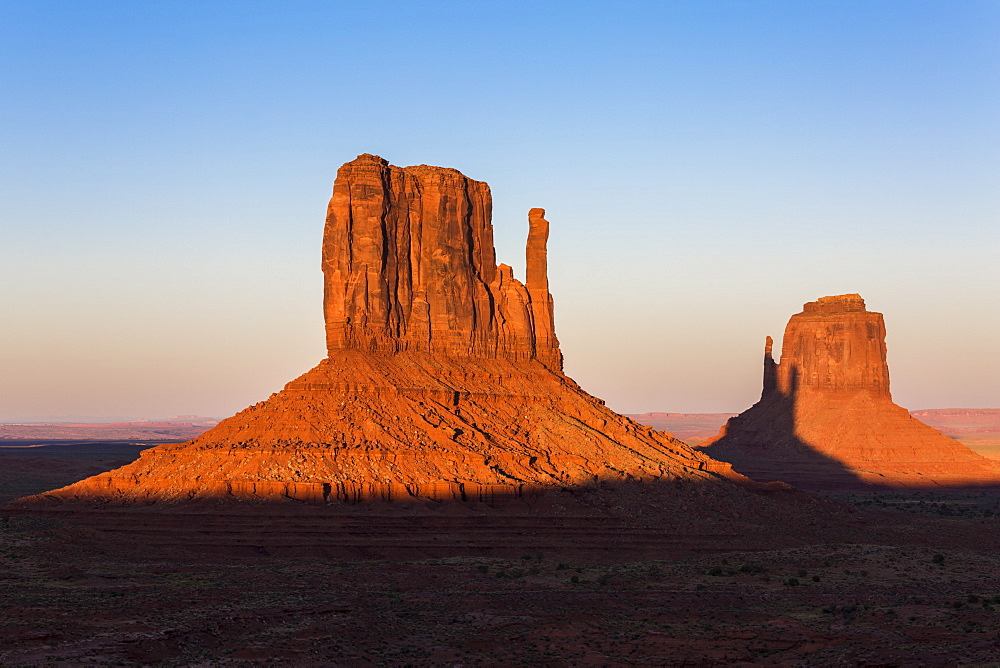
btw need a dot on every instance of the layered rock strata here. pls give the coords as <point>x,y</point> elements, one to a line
<point>409,265</point>
<point>443,378</point>
<point>826,418</point>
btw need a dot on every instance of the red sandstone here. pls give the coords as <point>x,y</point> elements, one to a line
<point>444,376</point>
<point>826,418</point>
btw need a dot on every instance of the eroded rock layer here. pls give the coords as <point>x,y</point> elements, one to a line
<point>826,418</point>
<point>443,381</point>
<point>409,265</point>
<point>365,426</point>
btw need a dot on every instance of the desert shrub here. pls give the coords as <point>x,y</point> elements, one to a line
<point>792,582</point>
<point>815,578</point>
<point>751,568</point>
<point>484,569</point>
<point>938,559</point>
<point>802,572</point>
<point>575,579</point>
<point>715,571</point>
<point>973,598</point>
<point>561,567</point>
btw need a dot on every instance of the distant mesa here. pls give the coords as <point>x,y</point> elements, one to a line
<point>180,428</point>
<point>826,419</point>
<point>443,378</point>
<point>691,428</point>
<point>960,422</point>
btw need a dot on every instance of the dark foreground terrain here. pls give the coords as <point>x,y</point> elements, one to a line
<point>602,577</point>
<point>30,466</point>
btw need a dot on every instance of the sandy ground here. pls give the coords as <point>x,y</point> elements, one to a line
<point>825,604</point>
<point>896,579</point>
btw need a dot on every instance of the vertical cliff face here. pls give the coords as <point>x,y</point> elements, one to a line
<point>834,345</point>
<point>408,263</point>
<point>546,345</point>
<point>826,419</point>
<point>443,378</point>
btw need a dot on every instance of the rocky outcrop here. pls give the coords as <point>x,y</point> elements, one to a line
<point>826,418</point>
<point>835,346</point>
<point>443,378</point>
<point>409,265</point>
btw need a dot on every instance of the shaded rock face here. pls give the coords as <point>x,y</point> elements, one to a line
<point>443,378</point>
<point>826,418</point>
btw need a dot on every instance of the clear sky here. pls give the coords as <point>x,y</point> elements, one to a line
<point>707,167</point>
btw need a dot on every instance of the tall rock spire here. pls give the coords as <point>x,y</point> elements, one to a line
<point>770,369</point>
<point>826,419</point>
<point>537,277</point>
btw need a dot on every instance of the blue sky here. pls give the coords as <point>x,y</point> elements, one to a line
<point>707,167</point>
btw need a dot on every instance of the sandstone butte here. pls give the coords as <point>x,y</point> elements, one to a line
<point>443,380</point>
<point>826,419</point>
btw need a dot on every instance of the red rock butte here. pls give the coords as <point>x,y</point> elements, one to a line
<point>826,418</point>
<point>443,378</point>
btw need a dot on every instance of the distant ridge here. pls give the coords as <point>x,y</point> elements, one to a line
<point>689,427</point>
<point>178,429</point>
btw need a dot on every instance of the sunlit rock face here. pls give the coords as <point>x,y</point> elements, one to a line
<point>835,346</point>
<point>443,378</point>
<point>409,265</point>
<point>826,418</point>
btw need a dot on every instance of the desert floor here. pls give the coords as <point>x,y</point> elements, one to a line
<point>916,581</point>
